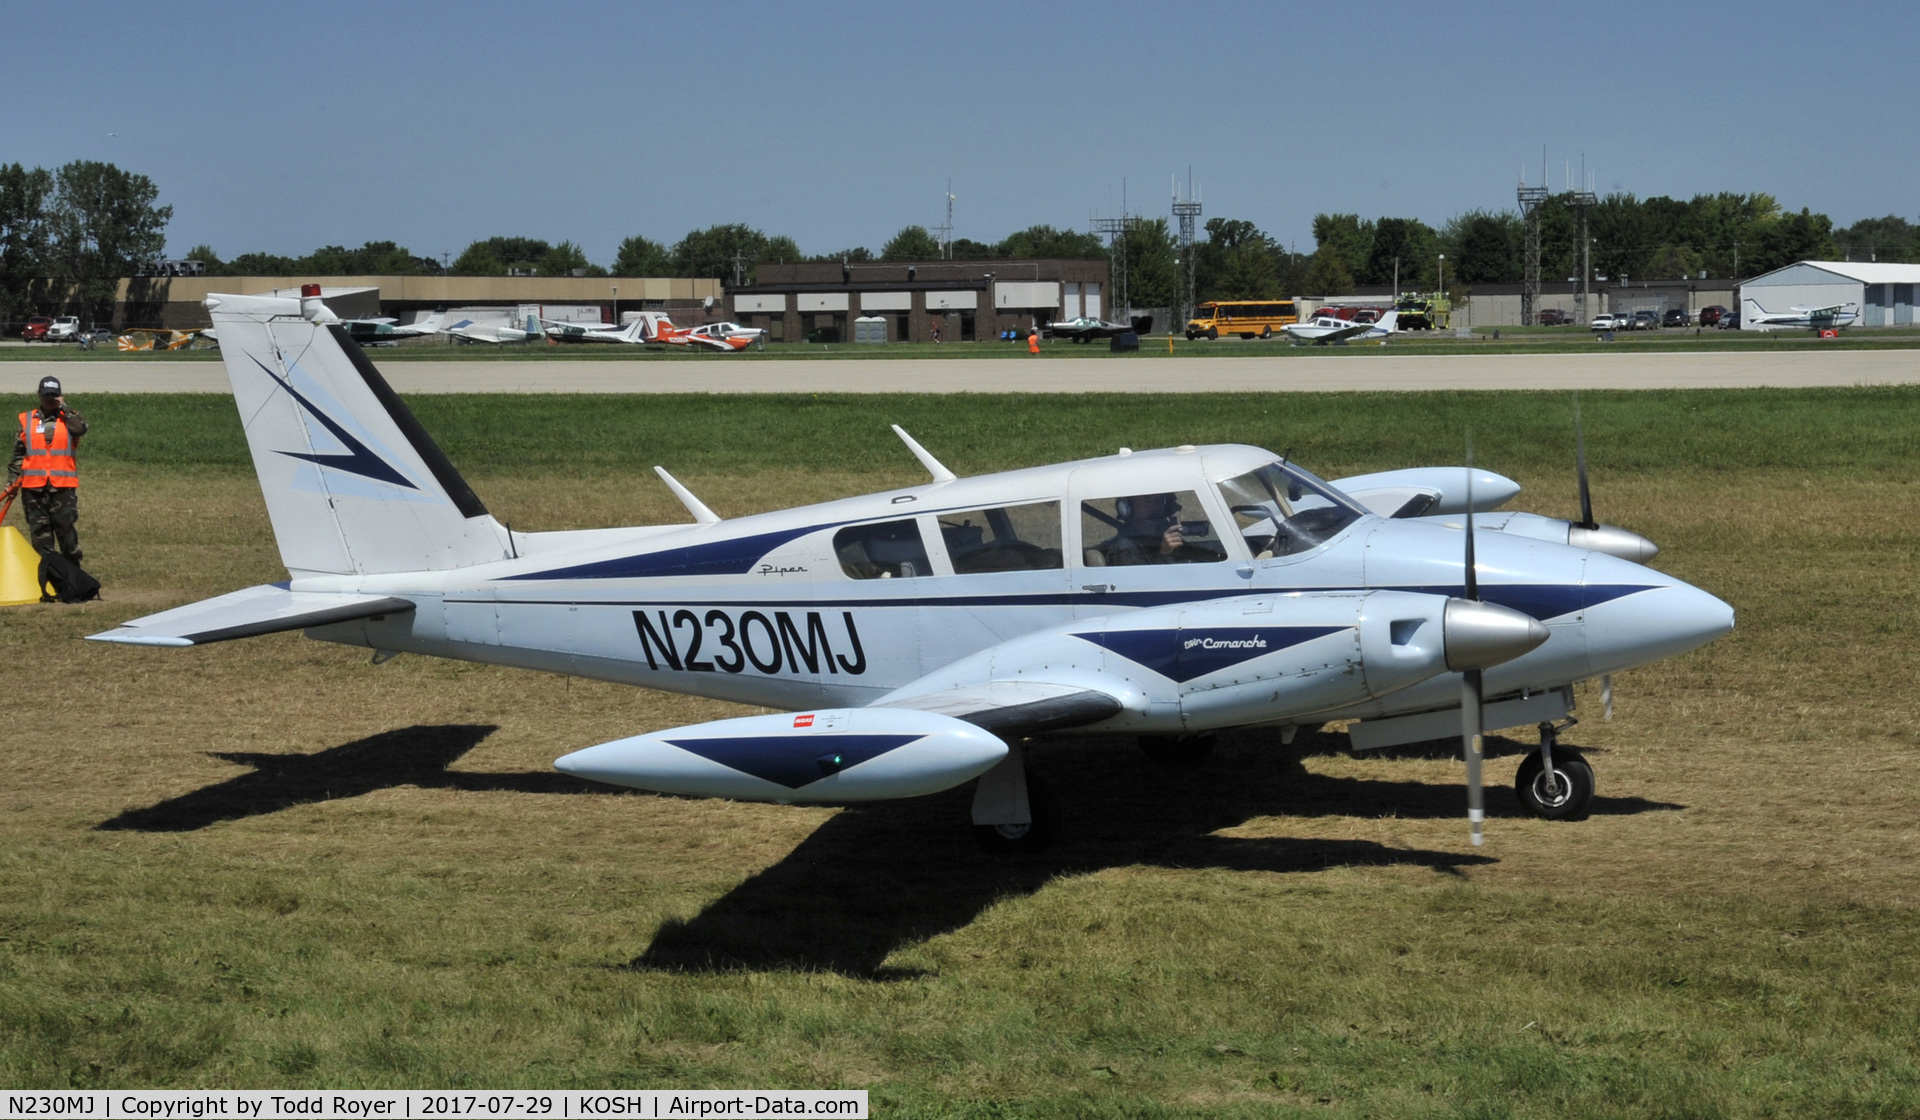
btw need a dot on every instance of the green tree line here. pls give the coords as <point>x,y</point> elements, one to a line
<point>81,228</point>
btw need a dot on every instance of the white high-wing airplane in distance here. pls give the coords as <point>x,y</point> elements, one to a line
<point>1323,330</point>
<point>646,327</point>
<point>1831,317</point>
<point>918,638</point>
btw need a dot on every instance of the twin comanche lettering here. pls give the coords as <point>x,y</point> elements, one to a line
<point>770,642</point>
<point>1255,642</point>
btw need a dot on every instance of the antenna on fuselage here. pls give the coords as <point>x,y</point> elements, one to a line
<point>695,506</point>
<point>934,467</point>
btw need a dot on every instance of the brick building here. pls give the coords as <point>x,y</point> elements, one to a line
<point>968,300</point>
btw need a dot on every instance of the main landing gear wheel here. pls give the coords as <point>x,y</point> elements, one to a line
<point>1567,798</point>
<point>1266,332</point>
<point>1024,839</point>
<point>1186,752</point>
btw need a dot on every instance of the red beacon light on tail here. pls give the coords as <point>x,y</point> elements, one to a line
<point>308,291</point>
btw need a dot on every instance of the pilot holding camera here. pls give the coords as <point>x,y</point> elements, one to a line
<point>1150,533</point>
<point>44,467</point>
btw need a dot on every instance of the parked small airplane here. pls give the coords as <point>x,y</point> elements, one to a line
<point>917,638</point>
<point>646,327</point>
<point>1324,330</point>
<point>373,332</point>
<point>151,338</point>
<point>730,338</point>
<point>493,333</point>
<point>1829,318</point>
<point>1089,328</point>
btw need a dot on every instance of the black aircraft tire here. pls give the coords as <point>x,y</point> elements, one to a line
<point>1186,752</point>
<point>1576,795</point>
<point>1266,332</point>
<point>1024,839</point>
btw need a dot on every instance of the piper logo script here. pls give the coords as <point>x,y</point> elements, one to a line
<point>803,721</point>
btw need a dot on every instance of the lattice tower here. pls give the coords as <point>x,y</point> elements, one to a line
<point>1531,199</point>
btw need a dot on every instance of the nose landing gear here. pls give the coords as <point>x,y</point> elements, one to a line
<point>1554,782</point>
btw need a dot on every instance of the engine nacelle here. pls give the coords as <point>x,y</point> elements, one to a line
<point>1251,659</point>
<point>836,755</point>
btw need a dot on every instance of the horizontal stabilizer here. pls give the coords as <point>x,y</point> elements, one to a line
<point>267,609</point>
<point>1015,708</point>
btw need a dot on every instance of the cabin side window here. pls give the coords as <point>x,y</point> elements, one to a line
<point>888,550</point>
<point>1003,539</point>
<point>1136,529</point>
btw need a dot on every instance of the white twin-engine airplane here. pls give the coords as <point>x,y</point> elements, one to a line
<point>1325,329</point>
<point>1831,317</point>
<point>917,638</point>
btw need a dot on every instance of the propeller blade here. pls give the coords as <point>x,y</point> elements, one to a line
<point>1470,699</point>
<point>1471,739</point>
<point>1580,466</point>
<point>1471,581</point>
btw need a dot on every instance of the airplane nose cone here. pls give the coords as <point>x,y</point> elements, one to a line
<point>1614,541</point>
<point>1482,635</point>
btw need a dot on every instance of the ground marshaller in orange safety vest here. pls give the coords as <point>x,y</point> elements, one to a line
<point>49,476</point>
<point>1033,341</point>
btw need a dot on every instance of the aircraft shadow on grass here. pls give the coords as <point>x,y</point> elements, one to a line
<point>888,873</point>
<point>408,756</point>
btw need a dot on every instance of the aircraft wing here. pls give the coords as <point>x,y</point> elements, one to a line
<point>1014,708</point>
<point>267,609</point>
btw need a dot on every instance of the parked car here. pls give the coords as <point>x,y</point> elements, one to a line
<point>1645,320</point>
<point>36,329</point>
<point>1610,322</point>
<point>1729,321</point>
<point>65,328</point>
<point>1675,317</point>
<point>1554,317</point>
<point>1711,315</point>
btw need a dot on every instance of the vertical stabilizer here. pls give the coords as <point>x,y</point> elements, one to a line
<point>353,484</point>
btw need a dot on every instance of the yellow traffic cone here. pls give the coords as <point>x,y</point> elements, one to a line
<point>19,569</point>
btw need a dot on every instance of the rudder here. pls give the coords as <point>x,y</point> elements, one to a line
<point>353,483</point>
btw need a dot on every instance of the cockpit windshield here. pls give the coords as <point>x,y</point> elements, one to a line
<point>1282,509</point>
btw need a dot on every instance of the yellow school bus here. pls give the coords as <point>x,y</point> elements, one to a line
<point>1248,318</point>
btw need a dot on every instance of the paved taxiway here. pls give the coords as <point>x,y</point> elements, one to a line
<point>1295,373</point>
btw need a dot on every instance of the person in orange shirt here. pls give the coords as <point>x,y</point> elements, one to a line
<point>1033,340</point>
<point>43,464</point>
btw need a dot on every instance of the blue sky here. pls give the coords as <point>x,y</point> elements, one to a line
<point>282,127</point>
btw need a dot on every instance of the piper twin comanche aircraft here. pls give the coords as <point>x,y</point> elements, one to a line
<point>1325,330</point>
<point>1832,317</point>
<point>916,639</point>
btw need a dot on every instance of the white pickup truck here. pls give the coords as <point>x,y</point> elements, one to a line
<point>1611,322</point>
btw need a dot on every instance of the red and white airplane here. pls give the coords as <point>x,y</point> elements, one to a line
<point>725,337</point>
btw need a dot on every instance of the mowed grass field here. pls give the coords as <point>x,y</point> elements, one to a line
<point>273,864</point>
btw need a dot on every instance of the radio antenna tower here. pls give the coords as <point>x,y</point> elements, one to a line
<point>1531,199</point>
<point>946,231</point>
<point>1116,230</point>
<point>1186,212</point>
<point>1581,200</point>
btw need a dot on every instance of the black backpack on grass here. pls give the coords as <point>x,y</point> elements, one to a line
<point>62,580</point>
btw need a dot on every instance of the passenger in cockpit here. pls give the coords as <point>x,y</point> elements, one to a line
<point>1150,533</point>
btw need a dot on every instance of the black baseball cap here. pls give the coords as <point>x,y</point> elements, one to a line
<point>49,386</point>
